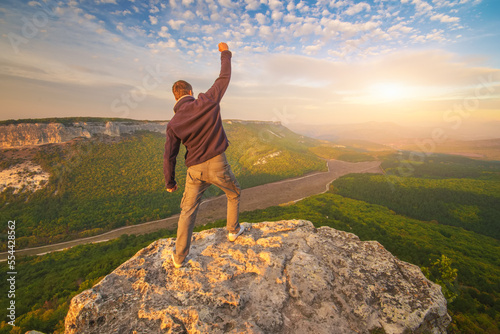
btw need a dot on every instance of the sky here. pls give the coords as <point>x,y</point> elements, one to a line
<point>298,62</point>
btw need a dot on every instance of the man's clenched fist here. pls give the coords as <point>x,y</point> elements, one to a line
<point>223,47</point>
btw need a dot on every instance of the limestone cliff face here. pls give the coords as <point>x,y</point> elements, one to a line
<point>27,134</point>
<point>278,277</point>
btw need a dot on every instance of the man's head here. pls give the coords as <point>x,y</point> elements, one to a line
<point>181,88</point>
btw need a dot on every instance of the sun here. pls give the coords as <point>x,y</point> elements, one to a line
<point>389,91</point>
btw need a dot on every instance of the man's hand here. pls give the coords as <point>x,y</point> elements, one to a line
<point>223,47</point>
<point>171,190</point>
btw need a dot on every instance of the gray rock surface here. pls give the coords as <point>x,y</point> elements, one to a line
<point>278,277</point>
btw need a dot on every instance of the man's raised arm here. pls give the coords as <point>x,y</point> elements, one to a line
<point>216,92</point>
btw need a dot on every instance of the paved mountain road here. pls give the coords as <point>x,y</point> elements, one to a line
<point>259,197</point>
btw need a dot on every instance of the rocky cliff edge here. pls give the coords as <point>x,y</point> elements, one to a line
<point>28,134</point>
<point>278,277</point>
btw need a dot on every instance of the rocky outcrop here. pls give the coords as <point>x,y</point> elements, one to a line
<point>278,277</point>
<point>27,134</point>
<point>26,176</point>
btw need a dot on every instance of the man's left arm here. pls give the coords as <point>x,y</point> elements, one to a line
<point>172,146</point>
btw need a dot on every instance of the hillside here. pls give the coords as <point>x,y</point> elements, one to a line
<point>103,181</point>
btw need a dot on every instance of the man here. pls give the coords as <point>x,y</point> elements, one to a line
<point>197,124</point>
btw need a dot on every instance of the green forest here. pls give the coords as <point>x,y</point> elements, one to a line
<point>446,190</point>
<point>103,183</point>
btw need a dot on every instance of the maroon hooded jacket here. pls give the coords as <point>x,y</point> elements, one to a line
<point>197,124</point>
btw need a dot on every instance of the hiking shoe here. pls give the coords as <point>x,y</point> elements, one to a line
<point>177,265</point>
<point>233,236</point>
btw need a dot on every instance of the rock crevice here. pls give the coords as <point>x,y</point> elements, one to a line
<point>278,277</point>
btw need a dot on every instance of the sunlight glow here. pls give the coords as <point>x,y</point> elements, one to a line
<point>385,92</point>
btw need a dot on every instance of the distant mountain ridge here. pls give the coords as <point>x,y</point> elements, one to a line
<point>474,140</point>
<point>388,133</point>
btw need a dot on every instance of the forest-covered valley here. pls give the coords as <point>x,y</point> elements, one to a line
<point>440,213</point>
<point>103,183</point>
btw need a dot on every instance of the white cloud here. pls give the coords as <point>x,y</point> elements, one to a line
<point>171,43</point>
<point>210,29</point>
<point>89,16</point>
<point>153,19</point>
<point>176,24</point>
<point>215,17</point>
<point>138,30</point>
<point>277,15</point>
<point>302,7</point>
<point>187,3</point>
<point>261,18</point>
<point>290,18</point>
<point>105,1</point>
<point>226,3</point>
<point>355,9</point>
<point>252,49</point>
<point>422,6</point>
<point>313,49</point>
<point>436,35</point>
<point>275,4</point>
<point>121,12</point>
<point>265,31</point>
<point>248,29</point>
<point>252,4</point>
<point>334,26</point>
<point>400,27</point>
<point>183,43</point>
<point>448,3</point>
<point>164,32</point>
<point>306,28</point>
<point>444,18</point>
<point>154,9</point>
<point>188,15</point>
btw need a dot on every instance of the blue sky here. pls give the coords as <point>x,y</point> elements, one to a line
<point>296,61</point>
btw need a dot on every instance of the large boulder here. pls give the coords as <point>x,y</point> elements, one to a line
<point>278,277</point>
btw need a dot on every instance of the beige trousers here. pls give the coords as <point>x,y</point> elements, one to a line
<point>216,171</point>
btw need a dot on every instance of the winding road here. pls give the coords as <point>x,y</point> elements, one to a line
<point>259,197</point>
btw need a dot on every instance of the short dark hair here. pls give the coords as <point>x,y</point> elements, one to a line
<point>181,88</point>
